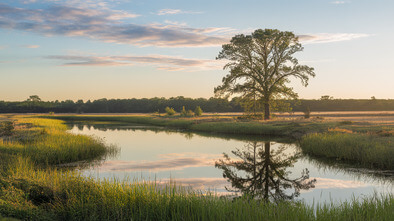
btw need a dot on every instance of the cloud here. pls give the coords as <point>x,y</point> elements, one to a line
<point>105,25</point>
<point>168,11</point>
<point>162,62</point>
<point>339,2</point>
<point>327,183</point>
<point>30,46</point>
<point>329,37</point>
<point>174,161</point>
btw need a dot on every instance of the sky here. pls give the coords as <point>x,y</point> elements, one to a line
<point>92,49</point>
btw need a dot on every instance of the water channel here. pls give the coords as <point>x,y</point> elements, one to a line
<point>201,161</point>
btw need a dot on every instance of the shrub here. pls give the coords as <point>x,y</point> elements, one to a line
<point>307,113</point>
<point>198,111</point>
<point>170,111</point>
<point>7,128</point>
<point>183,112</point>
<point>186,113</point>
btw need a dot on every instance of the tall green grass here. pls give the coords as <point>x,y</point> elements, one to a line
<point>46,142</point>
<point>366,150</point>
<point>69,196</point>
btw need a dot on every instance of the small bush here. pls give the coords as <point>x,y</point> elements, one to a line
<point>307,113</point>
<point>170,111</point>
<point>183,112</point>
<point>186,113</point>
<point>7,128</point>
<point>346,122</point>
<point>198,111</point>
<point>190,113</point>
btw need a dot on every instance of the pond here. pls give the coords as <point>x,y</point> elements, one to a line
<point>262,166</point>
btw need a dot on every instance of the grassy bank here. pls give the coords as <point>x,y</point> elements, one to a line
<point>366,150</point>
<point>216,124</point>
<point>45,141</point>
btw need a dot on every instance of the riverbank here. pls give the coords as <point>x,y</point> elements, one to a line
<point>32,187</point>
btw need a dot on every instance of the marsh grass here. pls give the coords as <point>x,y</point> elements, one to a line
<point>30,190</point>
<point>69,196</point>
<point>46,142</point>
<point>367,150</point>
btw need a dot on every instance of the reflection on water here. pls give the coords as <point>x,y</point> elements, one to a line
<point>262,167</point>
<point>261,172</point>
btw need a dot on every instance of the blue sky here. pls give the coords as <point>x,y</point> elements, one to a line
<point>75,49</point>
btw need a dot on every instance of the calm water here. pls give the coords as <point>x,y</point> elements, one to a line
<point>151,153</point>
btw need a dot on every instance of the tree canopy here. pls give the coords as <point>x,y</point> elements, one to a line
<point>261,65</point>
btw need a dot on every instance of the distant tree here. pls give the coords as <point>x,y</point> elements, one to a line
<point>170,111</point>
<point>34,98</point>
<point>326,97</point>
<point>373,98</point>
<point>198,111</point>
<point>261,64</point>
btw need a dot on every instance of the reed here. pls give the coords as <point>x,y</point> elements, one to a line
<point>69,196</point>
<point>46,141</point>
<point>363,149</point>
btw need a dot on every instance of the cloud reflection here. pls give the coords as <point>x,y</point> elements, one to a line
<point>171,161</point>
<point>327,183</point>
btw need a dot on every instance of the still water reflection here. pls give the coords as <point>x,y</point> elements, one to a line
<point>262,167</point>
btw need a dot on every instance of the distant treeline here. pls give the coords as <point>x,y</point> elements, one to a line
<point>150,105</point>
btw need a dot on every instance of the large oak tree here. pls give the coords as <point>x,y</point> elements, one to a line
<point>262,64</point>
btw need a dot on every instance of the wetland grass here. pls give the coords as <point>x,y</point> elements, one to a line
<point>45,141</point>
<point>69,196</point>
<point>366,150</point>
<point>32,190</point>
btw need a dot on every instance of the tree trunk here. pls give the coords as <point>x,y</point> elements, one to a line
<point>267,147</point>
<point>266,111</point>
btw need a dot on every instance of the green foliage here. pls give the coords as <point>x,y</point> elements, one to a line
<point>186,113</point>
<point>198,111</point>
<point>260,65</point>
<point>170,111</point>
<point>183,112</point>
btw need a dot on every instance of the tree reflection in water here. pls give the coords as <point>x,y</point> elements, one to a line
<point>261,172</point>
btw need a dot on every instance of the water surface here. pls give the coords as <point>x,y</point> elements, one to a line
<point>153,153</point>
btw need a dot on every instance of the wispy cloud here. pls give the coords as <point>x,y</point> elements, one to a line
<point>175,161</point>
<point>105,25</point>
<point>339,2</point>
<point>329,37</point>
<point>161,62</point>
<point>168,11</point>
<point>30,46</point>
<point>327,183</point>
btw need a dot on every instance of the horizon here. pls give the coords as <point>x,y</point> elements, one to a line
<point>167,98</point>
<point>116,49</point>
